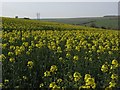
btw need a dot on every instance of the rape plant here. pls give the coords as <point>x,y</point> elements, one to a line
<point>56,56</point>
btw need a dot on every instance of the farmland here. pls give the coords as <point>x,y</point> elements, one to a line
<point>38,54</point>
<point>98,22</point>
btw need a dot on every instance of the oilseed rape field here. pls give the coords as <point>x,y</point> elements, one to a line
<point>56,56</point>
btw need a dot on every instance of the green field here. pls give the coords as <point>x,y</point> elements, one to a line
<point>0,57</point>
<point>0,39</point>
<point>57,56</point>
<point>99,22</point>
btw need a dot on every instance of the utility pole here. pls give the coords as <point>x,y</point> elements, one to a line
<point>38,16</point>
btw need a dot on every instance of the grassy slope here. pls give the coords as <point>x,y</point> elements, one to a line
<point>107,22</point>
<point>0,53</point>
<point>0,39</point>
<point>33,24</point>
<point>22,24</point>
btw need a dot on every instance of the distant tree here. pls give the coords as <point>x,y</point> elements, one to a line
<point>93,25</point>
<point>16,16</point>
<point>103,27</point>
<point>26,18</point>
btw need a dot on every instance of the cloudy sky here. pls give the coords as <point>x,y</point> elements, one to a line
<point>59,0</point>
<point>58,9</point>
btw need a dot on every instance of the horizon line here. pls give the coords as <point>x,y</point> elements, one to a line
<point>63,17</point>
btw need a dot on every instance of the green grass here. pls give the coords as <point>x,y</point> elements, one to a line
<point>0,38</point>
<point>106,22</point>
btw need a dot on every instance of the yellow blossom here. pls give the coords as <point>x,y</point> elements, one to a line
<point>114,76</point>
<point>6,81</point>
<point>115,63</point>
<point>41,85</point>
<point>47,73</point>
<point>112,84</point>
<point>30,64</point>
<point>77,76</point>
<point>53,68</point>
<point>12,59</point>
<point>76,57</point>
<point>52,84</point>
<point>87,76</point>
<point>104,68</point>
<point>59,80</point>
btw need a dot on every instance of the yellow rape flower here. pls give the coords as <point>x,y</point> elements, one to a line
<point>87,76</point>
<point>114,76</point>
<point>76,57</point>
<point>27,52</point>
<point>84,87</point>
<point>1,85</point>
<point>115,63</point>
<point>4,46</point>
<point>41,85</point>
<point>23,39</point>
<point>47,73</point>
<point>76,79</point>
<point>104,68</point>
<point>59,80</point>
<point>112,84</point>
<point>17,52</point>
<point>2,57</point>
<point>10,53</point>
<point>60,58</point>
<point>25,44</point>
<point>91,82</point>
<point>77,48</point>
<point>30,64</point>
<point>12,59</point>
<point>6,81</point>
<point>12,47</point>
<point>55,87</point>
<point>77,76</point>
<point>110,52</point>
<point>52,84</point>
<point>59,49</point>
<point>53,68</point>
<point>68,55</point>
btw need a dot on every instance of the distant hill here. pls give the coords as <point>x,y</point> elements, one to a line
<point>111,16</point>
<point>106,22</point>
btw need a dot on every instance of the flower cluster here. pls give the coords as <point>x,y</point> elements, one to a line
<point>30,64</point>
<point>89,82</point>
<point>54,86</point>
<point>104,68</point>
<point>56,56</point>
<point>53,68</point>
<point>77,76</point>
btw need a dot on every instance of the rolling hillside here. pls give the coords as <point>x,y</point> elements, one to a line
<point>98,22</point>
<point>56,56</point>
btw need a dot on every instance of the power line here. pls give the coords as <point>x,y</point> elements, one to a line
<point>38,16</point>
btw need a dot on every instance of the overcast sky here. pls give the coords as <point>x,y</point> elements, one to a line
<point>59,0</point>
<point>59,9</point>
